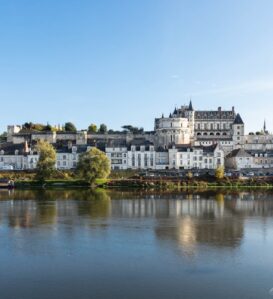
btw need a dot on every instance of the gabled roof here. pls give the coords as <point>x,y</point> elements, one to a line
<point>10,148</point>
<point>238,120</point>
<point>240,153</point>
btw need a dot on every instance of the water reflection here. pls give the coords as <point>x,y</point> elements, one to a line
<point>139,244</point>
<point>184,219</point>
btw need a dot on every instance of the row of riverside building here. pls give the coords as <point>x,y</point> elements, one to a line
<point>185,139</point>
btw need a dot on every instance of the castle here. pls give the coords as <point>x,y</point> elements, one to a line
<point>202,128</point>
<point>186,139</point>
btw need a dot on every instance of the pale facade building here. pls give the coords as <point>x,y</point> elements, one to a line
<point>185,157</point>
<point>239,159</point>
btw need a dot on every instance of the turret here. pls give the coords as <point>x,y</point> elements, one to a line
<point>238,131</point>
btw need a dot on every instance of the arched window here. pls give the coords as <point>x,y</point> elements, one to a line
<point>218,134</point>
<point>211,134</point>
<point>198,134</point>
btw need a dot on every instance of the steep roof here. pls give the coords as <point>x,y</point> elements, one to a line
<point>238,120</point>
<point>10,148</point>
<point>190,106</point>
<point>240,153</point>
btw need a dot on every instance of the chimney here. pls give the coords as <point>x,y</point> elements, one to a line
<point>26,148</point>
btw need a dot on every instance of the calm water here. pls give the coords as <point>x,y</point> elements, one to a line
<point>78,244</point>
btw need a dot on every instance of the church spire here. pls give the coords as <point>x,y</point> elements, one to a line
<point>190,106</point>
<point>264,126</point>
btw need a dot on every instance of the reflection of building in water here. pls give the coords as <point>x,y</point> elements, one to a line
<point>188,223</point>
<point>166,207</point>
<point>201,222</point>
<point>27,213</point>
<point>27,208</point>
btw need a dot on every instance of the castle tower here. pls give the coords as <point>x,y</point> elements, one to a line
<point>238,131</point>
<point>178,128</point>
<point>191,117</point>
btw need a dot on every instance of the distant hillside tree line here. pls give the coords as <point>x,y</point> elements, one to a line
<point>70,127</point>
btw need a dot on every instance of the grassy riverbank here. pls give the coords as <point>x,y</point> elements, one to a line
<point>187,183</point>
<point>131,180</point>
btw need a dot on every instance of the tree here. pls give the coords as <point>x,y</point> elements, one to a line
<point>3,137</point>
<point>92,128</point>
<point>92,165</point>
<point>70,127</point>
<point>48,128</point>
<point>47,160</point>
<point>133,130</point>
<point>103,129</point>
<point>220,172</point>
<point>27,126</point>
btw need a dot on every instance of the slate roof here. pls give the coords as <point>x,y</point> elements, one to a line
<point>238,120</point>
<point>10,148</point>
<point>212,115</point>
<point>240,153</point>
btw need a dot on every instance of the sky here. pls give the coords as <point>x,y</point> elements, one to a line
<point>128,61</point>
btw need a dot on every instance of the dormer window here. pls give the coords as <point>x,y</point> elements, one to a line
<point>2,152</point>
<point>74,149</point>
<point>16,152</point>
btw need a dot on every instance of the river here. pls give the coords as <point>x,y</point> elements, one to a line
<point>136,245</point>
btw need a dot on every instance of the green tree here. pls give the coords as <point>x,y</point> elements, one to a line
<point>48,128</point>
<point>92,128</point>
<point>220,172</point>
<point>103,129</point>
<point>133,130</point>
<point>70,127</point>
<point>47,160</point>
<point>93,165</point>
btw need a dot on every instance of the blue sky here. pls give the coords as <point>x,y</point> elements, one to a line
<point>125,62</point>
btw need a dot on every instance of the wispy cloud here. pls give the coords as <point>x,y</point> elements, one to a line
<point>239,89</point>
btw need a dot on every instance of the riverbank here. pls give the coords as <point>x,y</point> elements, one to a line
<point>133,180</point>
<point>161,184</point>
<point>176,184</point>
